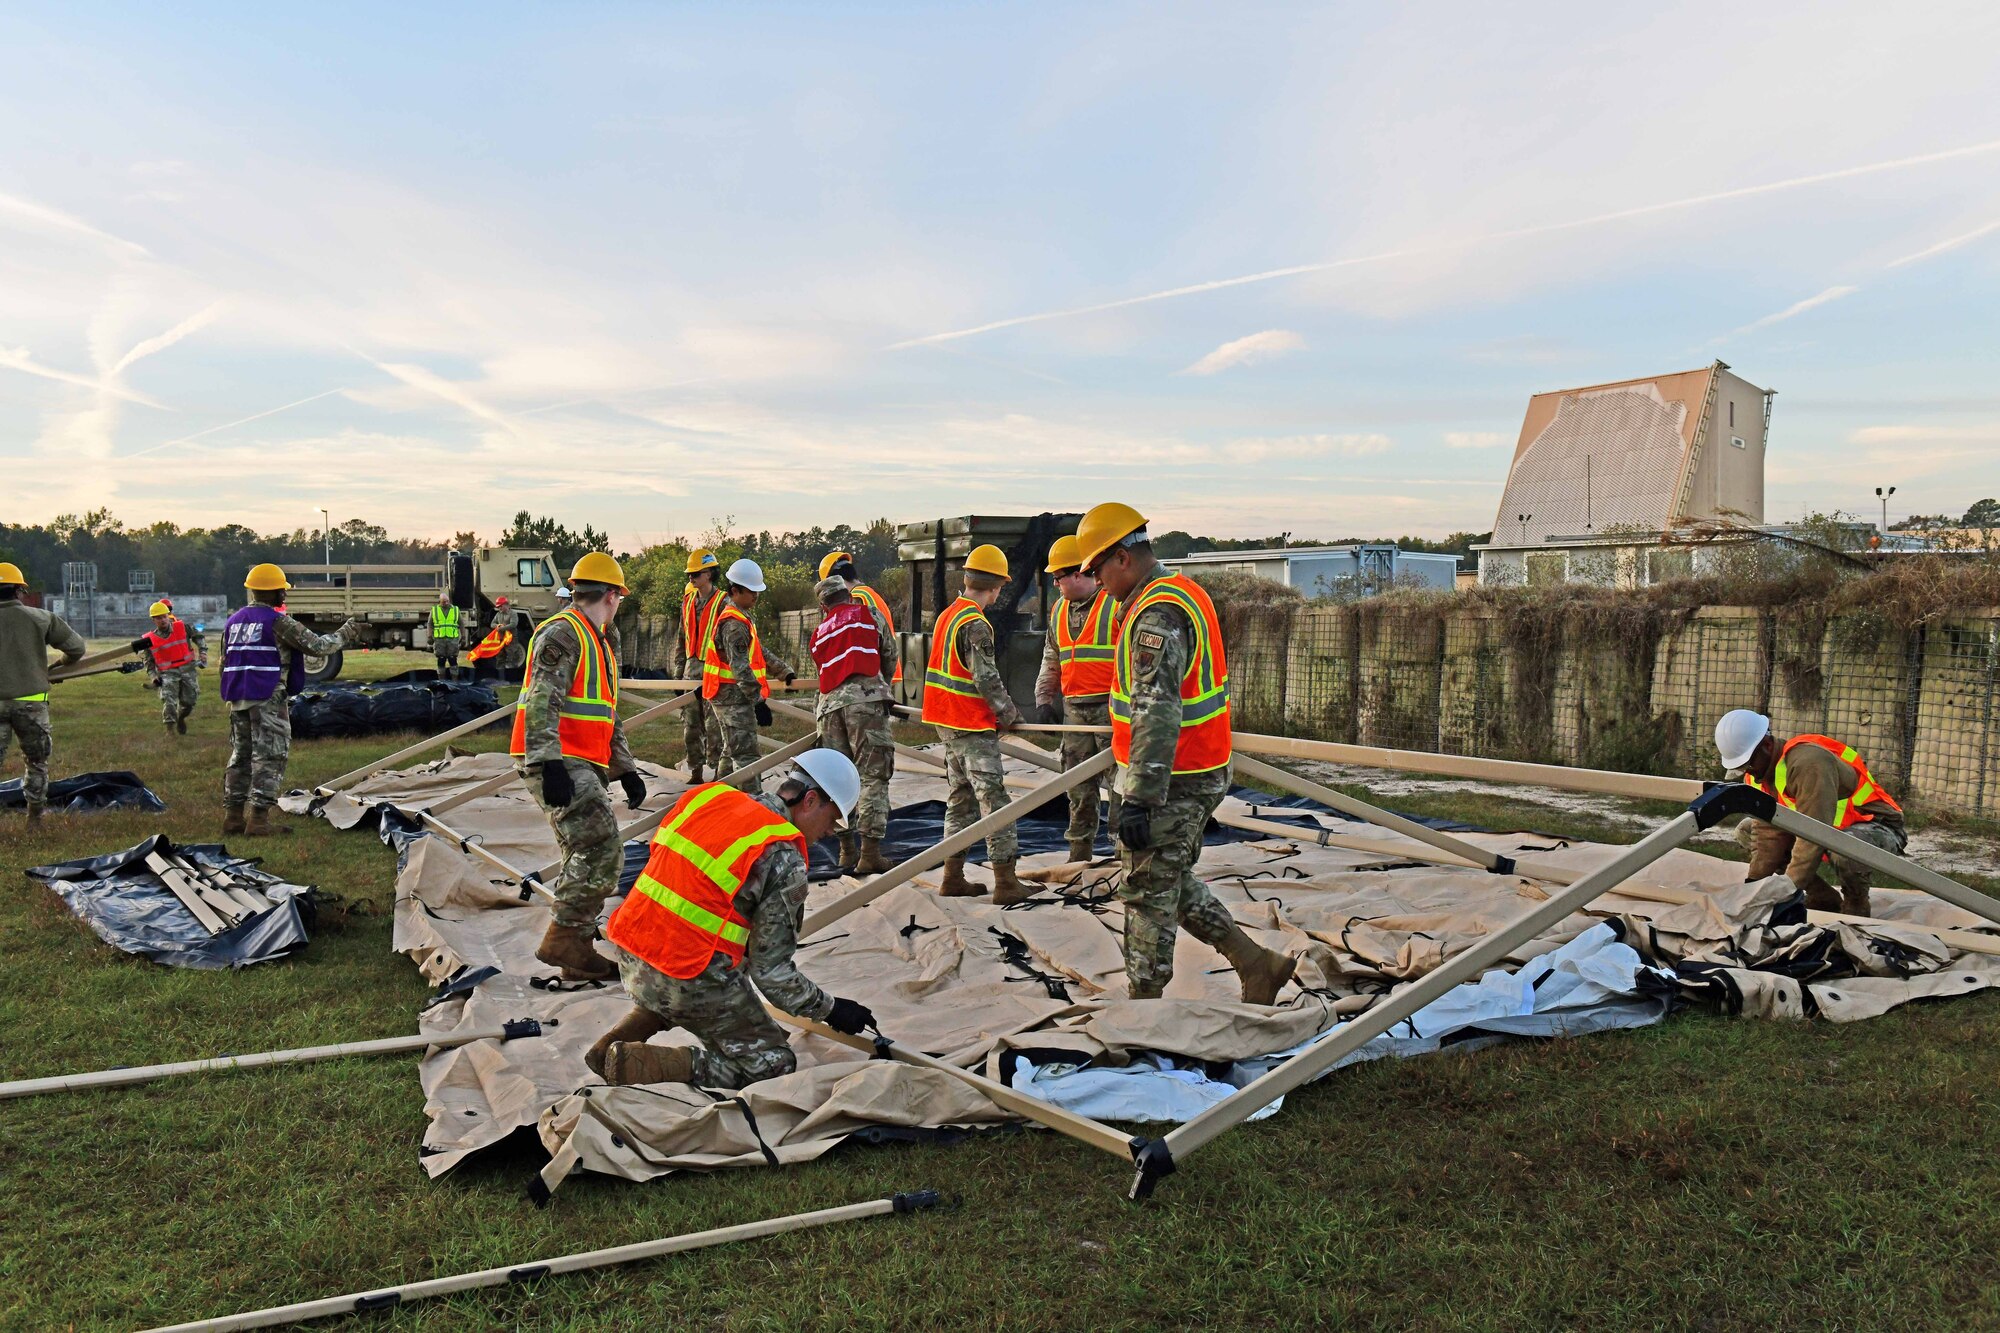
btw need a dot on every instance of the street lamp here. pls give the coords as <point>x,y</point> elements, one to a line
<point>326,542</point>
<point>1883,496</point>
<point>1522,519</point>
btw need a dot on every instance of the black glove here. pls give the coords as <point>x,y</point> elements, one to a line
<point>635,789</point>
<point>1049,714</point>
<point>127,668</point>
<point>790,676</point>
<point>1135,827</point>
<point>850,1017</point>
<point>763,714</point>
<point>557,790</point>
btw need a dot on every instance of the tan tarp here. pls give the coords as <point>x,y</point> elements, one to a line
<point>937,974</point>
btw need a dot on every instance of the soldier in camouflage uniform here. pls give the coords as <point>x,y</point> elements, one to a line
<point>263,665</point>
<point>965,699</point>
<point>569,784</point>
<point>179,686</point>
<point>1168,790</point>
<point>735,648</point>
<point>856,656</point>
<point>721,1000</point>
<point>701,734</point>
<point>510,619</point>
<point>26,635</point>
<point>1074,686</point>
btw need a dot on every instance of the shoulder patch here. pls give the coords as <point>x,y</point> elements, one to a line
<point>1149,639</point>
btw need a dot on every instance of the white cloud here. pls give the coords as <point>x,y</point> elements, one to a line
<point>1247,351</point>
<point>1474,439</point>
<point>1258,450</point>
<point>1915,434</point>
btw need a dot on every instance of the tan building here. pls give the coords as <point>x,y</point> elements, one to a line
<point>1613,466</point>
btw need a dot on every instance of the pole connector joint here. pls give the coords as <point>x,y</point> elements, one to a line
<point>1155,1161</point>
<point>520,1027</point>
<point>911,1201</point>
<point>1734,798</point>
<point>1502,865</point>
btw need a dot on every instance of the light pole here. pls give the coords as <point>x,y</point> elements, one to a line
<point>326,542</point>
<point>1522,519</point>
<point>1883,496</point>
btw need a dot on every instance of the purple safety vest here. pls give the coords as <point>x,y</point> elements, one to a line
<point>253,665</point>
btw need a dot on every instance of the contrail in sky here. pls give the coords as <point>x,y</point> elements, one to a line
<point>1542,229</point>
<point>153,449</point>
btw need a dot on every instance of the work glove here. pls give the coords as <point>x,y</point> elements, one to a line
<point>127,668</point>
<point>1049,714</point>
<point>557,789</point>
<point>635,789</point>
<point>850,1017</point>
<point>763,714</point>
<point>790,676</point>
<point>1135,827</point>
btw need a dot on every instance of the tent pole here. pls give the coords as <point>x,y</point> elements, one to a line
<point>386,1297</point>
<point>346,780</point>
<point>1831,839</point>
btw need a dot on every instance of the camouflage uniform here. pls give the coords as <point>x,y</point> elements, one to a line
<point>1084,710</point>
<point>26,635</point>
<point>734,706</point>
<point>260,730</point>
<point>509,620</point>
<point>701,734</point>
<point>972,758</point>
<point>854,719</point>
<point>1816,780</point>
<point>587,828</point>
<point>444,647</point>
<point>741,1043</point>
<point>1159,888</point>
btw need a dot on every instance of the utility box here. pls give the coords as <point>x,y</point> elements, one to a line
<point>933,554</point>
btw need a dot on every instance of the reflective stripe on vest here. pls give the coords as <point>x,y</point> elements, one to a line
<point>28,699</point>
<point>682,911</point>
<point>171,649</point>
<point>715,670</point>
<point>1087,658</point>
<point>589,713</point>
<point>1847,811</point>
<point>444,622</point>
<point>951,696</point>
<point>862,592</point>
<point>698,620</point>
<point>1204,739</point>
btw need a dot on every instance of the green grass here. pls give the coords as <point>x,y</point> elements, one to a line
<point>1704,1173</point>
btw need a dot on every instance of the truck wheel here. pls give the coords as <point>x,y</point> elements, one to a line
<point>320,669</point>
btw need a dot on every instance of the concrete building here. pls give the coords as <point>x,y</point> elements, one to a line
<point>122,615</point>
<point>1331,571</point>
<point>1600,474</point>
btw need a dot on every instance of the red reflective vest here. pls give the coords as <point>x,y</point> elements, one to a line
<point>1086,658</point>
<point>1204,740</point>
<point>171,649</point>
<point>951,696</point>
<point>715,670</point>
<point>682,912</point>
<point>845,645</point>
<point>862,592</point>
<point>590,708</point>
<point>1847,811</point>
<point>697,619</point>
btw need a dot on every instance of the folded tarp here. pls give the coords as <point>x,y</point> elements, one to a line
<point>87,792</point>
<point>132,910</point>
<point>364,708</point>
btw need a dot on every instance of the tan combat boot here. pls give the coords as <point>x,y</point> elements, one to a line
<point>955,884</point>
<point>1083,849</point>
<point>232,819</point>
<point>1263,972</point>
<point>850,852</point>
<point>171,733</point>
<point>872,861</point>
<point>1007,886</point>
<point>635,1026</point>
<point>630,1062</point>
<point>261,825</point>
<point>571,949</point>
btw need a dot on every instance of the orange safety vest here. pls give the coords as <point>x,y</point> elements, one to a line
<point>951,697</point>
<point>590,709</point>
<point>1086,659</point>
<point>697,619</point>
<point>171,649</point>
<point>863,593</point>
<point>682,912</point>
<point>492,644</point>
<point>1204,740</point>
<point>1847,811</point>
<point>715,672</point>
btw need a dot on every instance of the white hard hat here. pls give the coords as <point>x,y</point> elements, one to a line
<point>1737,735</point>
<point>833,773</point>
<point>746,574</point>
<point>564,594</point>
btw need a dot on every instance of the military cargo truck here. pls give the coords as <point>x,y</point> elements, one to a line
<point>933,553</point>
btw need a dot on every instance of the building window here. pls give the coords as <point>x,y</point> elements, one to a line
<point>1732,414</point>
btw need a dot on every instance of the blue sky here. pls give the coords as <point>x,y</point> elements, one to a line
<point>651,266</point>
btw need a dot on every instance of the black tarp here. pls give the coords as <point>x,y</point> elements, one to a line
<point>130,909</point>
<point>365,708</point>
<point>87,792</point>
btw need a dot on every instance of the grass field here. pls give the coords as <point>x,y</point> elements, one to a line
<point>1705,1173</point>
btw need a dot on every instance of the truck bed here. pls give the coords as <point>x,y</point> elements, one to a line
<point>365,592</point>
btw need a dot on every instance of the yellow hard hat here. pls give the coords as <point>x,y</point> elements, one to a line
<point>597,567</point>
<point>266,577</point>
<point>987,560</point>
<point>159,609</point>
<point>1064,554</point>
<point>1103,528</point>
<point>11,573</point>
<point>830,559</point>
<point>700,560</point>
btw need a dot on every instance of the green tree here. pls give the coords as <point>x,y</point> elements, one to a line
<point>538,530</point>
<point>1983,514</point>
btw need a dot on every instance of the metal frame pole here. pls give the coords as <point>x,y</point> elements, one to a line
<point>1409,828</point>
<point>384,1298</point>
<point>1829,838</point>
<point>346,780</point>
